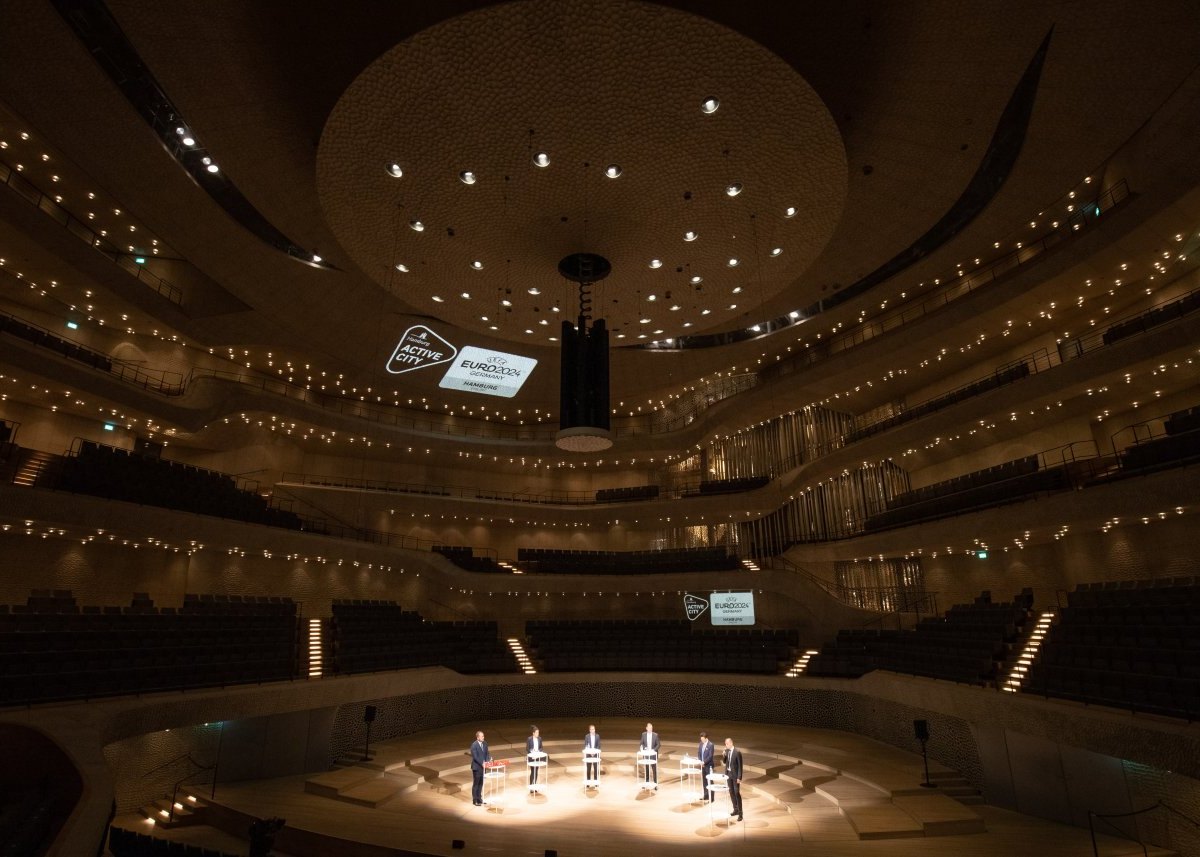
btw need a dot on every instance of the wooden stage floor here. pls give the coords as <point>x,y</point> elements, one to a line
<point>825,792</point>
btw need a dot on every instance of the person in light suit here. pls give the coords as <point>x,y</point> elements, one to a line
<point>705,755</point>
<point>650,742</point>
<point>533,744</point>
<point>591,741</point>
<point>733,769</point>
<point>479,755</point>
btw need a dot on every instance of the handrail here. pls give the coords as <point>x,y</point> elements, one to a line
<point>178,783</point>
<point>1106,816</point>
<point>30,193</point>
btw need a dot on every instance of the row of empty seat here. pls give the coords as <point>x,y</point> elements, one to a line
<point>658,646</point>
<point>728,486</point>
<point>1002,483</point>
<point>625,495</point>
<point>553,561</point>
<point>1153,318</point>
<point>968,644</point>
<point>129,843</point>
<point>997,379</point>
<point>105,471</point>
<point>383,636</point>
<point>1132,645</point>
<point>52,650</point>
<point>46,339</point>
<point>464,557</point>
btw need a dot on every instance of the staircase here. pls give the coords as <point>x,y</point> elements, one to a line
<point>950,784</point>
<point>31,463</point>
<point>189,810</point>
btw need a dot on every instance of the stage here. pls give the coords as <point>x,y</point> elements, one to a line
<point>841,793</point>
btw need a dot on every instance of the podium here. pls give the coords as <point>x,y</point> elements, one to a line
<point>591,759</point>
<point>690,787</point>
<point>718,785</point>
<point>537,761</point>
<point>647,759</point>
<point>495,776</point>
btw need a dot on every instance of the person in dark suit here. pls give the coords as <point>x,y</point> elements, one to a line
<point>650,742</point>
<point>533,744</point>
<point>591,741</point>
<point>479,755</point>
<point>733,769</point>
<point>705,755</point>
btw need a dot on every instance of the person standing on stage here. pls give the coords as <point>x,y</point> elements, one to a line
<point>705,755</point>
<point>591,741</point>
<point>479,755</point>
<point>733,769</point>
<point>650,742</point>
<point>533,744</point>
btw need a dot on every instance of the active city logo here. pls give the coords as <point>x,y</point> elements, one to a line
<point>420,348</point>
<point>694,605</point>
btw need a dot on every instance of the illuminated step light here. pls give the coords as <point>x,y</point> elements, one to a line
<point>316,660</point>
<point>1033,645</point>
<point>522,659</point>
<point>750,565</point>
<point>801,665</point>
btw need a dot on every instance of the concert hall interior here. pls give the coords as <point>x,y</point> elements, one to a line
<point>822,376</point>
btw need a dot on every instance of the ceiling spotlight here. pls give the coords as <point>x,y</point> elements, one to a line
<point>316,258</point>
<point>613,171</point>
<point>212,168</point>
<point>651,297</point>
<point>541,159</point>
<point>733,189</point>
<point>534,290</point>
<point>416,226</point>
<point>643,321</point>
<point>402,268</point>
<point>733,263</point>
<point>705,311</point>
<point>790,211</point>
<point>466,296</point>
<point>697,279</point>
<point>394,170</point>
<point>793,314</point>
<point>436,299</point>
<point>189,141</point>
<point>477,265</point>
<point>737,290</point>
<point>733,306</point>
<point>691,235</point>
<point>467,177</point>
<point>675,307</point>
<point>756,328</point>
<point>656,263</point>
<point>776,251</point>
<point>506,302</point>
<point>710,105</point>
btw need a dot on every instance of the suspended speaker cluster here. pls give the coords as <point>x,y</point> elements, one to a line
<point>583,422</point>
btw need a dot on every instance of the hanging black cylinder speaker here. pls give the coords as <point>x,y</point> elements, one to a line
<point>921,730</point>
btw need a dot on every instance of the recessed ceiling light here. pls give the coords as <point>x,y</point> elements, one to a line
<point>402,268</point>
<point>776,251</point>
<point>316,258</point>
<point>534,290</point>
<point>467,177</point>
<point>675,308</point>
<point>554,309</point>
<point>710,105</point>
<point>697,279</point>
<point>793,314</point>
<point>492,327</point>
<point>553,338</point>
<point>691,235</point>
<point>212,168</point>
<point>620,336</point>
<point>687,324</point>
<point>506,302</point>
<point>705,311</point>
<point>733,263</point>
<point>737,290</point>
<point>613,171</point>
<point>437,299</point>
<point>651,297</point>
<point>189,140</point>
<point>757,328</point>
<point>656,263</point>
<point>643,321</point>
<point>416,225</point>
<point>543,322</point>
<point>733,306</point>
<point>394,170</point>
<point>484,318</point>
<point>541,159</point>
<point>790,211</point>
<point>657,332</point>
<point>477,265</point>
<point>641,336</point>
<point>527,330</point>
<point>466,296</point>
<point>733,189</point>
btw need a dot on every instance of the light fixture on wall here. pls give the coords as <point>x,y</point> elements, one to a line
<point>583,403</point>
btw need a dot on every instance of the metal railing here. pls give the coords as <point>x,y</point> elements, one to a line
<point>31,194</point>
<point>1094,816</point>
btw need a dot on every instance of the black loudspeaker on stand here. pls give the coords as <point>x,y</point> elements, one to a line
<point>921,731</point>
<point>369,718</point>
